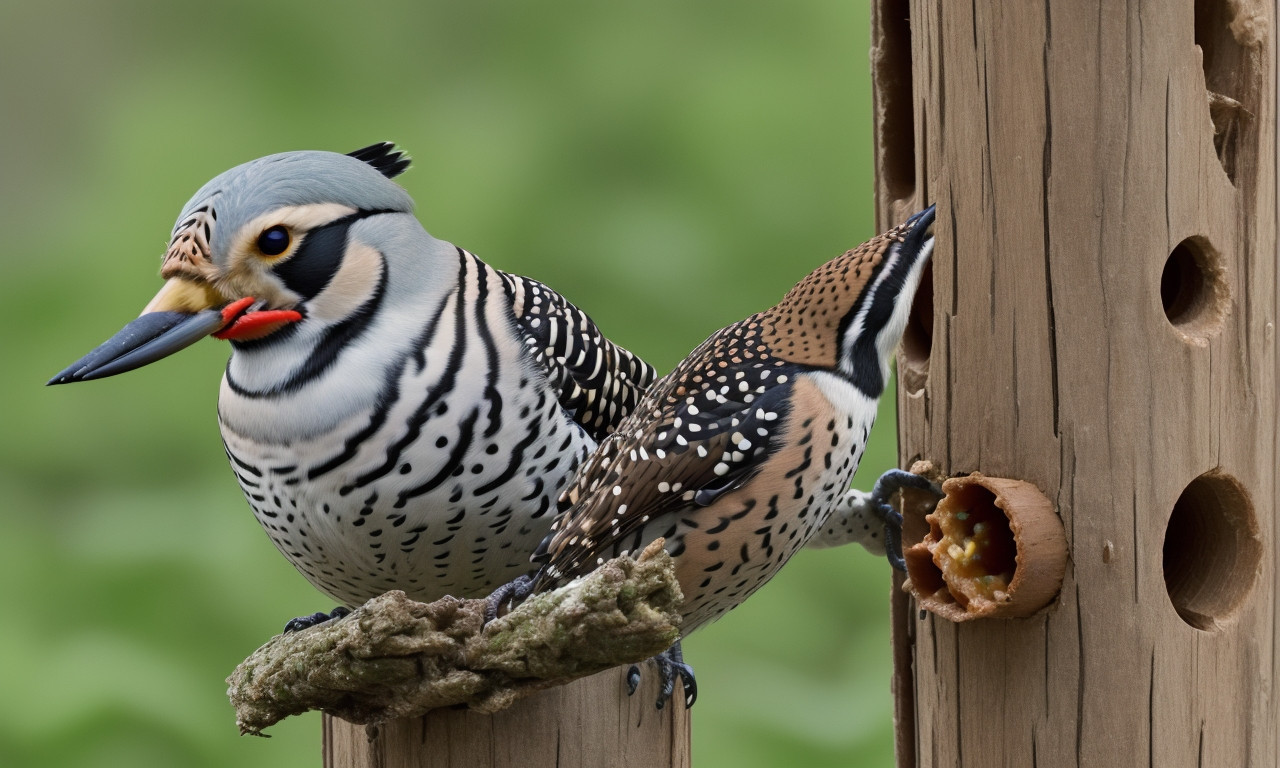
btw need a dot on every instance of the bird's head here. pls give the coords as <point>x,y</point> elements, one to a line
<point>255,253</point>
<point>849,314</point>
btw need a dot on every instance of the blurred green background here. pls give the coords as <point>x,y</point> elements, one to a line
<point>669,166</point>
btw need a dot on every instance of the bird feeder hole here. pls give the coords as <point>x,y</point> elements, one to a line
<point>992,547</point>
<point>1212,550</point>
<point>976,545</point>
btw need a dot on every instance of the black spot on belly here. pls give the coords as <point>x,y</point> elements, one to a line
<point>543,507</point>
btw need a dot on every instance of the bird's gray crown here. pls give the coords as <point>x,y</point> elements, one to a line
<point>237,196</point>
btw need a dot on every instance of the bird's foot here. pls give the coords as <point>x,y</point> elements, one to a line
<point>886,486</point>
<point>508,595</point>
<point>319,617</point>
<point>670,664</point>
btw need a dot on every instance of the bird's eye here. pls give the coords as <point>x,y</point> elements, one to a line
<point>273,241</point>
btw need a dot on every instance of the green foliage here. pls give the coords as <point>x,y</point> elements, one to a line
<point>669,166</point>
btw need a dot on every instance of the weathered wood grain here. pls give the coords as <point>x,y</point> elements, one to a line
<point>589,723</point>
<point>1071,147</point>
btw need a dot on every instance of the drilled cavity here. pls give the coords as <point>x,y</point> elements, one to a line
<point>1212,550</point>
<point>993,547</point>
<point>1193,289</point>
<point>891,66</point>
<point>1229,53</point>
<point>917,338</point>
<point>976,547</point>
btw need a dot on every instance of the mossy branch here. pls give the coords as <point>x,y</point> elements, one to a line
<point>394,657</point>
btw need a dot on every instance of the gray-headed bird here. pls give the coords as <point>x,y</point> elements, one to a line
<point>399,414</point>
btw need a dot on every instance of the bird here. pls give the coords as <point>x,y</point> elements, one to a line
<point>397,413</point>
<point>744,453</point>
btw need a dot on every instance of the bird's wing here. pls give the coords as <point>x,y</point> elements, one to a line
<point>701,431</point>
<point>598,382</point>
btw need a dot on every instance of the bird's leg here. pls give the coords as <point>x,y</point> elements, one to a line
<point>893,540</point>
<point>868,518</point>
<point>319,617</point>
<point>886,486</point>
<point>514,591</point>
<point>670,664</point>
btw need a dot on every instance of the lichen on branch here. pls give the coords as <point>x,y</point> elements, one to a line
<point>395,657</point>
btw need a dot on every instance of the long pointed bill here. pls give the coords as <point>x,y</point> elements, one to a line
<point>181,314</point>
<point>145,340</point>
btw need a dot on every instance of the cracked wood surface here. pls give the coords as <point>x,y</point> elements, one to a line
<point>1070,149</point>
<point>589,723</point>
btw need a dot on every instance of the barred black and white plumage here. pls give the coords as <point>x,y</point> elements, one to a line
<point>398,413</point>
<point>599,381</point>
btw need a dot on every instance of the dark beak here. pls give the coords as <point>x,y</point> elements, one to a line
<point>145,340</point>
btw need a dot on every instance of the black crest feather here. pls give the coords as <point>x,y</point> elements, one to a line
<point>390,161</point>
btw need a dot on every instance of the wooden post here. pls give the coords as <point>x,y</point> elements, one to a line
<point>589,723</point>
<point>1102,324</point>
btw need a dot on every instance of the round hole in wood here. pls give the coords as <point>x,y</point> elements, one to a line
<point>976,546</point>
<point>1212,550</point>
<point>991,548</point>
<point>1193,290</point>
<point>917,338</point>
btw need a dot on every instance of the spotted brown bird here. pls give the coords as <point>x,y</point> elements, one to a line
<point>399,414</point>
<point>740,456</point>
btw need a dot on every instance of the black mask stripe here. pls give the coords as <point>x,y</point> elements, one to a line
<point>319,257</point>
<point>883,300</point>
